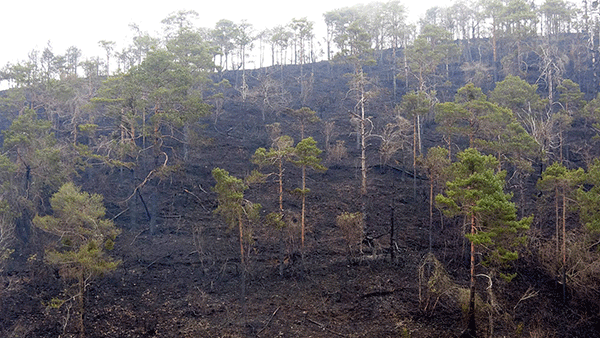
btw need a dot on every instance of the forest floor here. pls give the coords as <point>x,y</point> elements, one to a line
<point>183,278</point>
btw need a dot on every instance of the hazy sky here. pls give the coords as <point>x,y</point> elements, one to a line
<point>30,24</point>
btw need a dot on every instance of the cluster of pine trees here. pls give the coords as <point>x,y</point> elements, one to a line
<point>520,127</point>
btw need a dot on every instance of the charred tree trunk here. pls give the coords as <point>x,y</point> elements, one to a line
<point>363,151</point>
<point>133,203</point>
<point>243,266</point>
<point>81,305</point>
<point>394,71</point>
<point>472,326</point>
<point>24,222</point>
<point>392,237</point>
<point>564,246</point>
<point>415,157</point>
<point>430,214</point>
<point>303,213</point>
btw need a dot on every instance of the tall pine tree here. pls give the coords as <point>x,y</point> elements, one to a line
<point>476,192</point>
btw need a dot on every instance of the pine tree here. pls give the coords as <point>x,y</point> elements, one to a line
<point>237,212</point>
<point>476,192</point>
<point>589,200</point>
<point>303,116</point>
<point>84,236</point>
<point>414,105</point>
<point>281,152</point>
<point>306,156</point>
<point>436,163</point>
<point>562,181</point>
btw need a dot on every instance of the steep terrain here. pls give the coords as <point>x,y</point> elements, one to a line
<point>180,274</point>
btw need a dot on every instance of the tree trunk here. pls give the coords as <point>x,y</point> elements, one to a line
<point>241,233</point>
<point>281,252</point>
<point>281,237</point>
<point>495,54</point>
<point>23,225</point>
<point>302,216</point>
<point>153,209</point>
<point>186,142</point>
<point>450,147</point>
<point>132,202</point>
<point>405,66</point>
<point>280,178</point>
<point>394,72</point>
<point>551,90</point>
<point>392,238</point>
<point>363,160</point>
<point>419,134</point>
<point>81,305</point>
<point>564,246</point>
<point>243,266</point>
<point>415,157</point>
<point>430,213</point>
<point>557,221</point>
<point>302,89</point>
<point>472,328</point>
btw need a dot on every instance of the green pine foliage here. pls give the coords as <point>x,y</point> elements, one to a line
<point>84,234</point>
<point>234,208</point>
<point>477,190</point>
<point>307,155</point>
<point>589,199</point>
<point>281,152</point>
<point>230,196</point>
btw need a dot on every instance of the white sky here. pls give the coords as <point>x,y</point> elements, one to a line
<point>29,24</point>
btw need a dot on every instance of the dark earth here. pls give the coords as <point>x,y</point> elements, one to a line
<point>180,274</point>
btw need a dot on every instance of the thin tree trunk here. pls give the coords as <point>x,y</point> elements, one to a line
<point>394,71</point>
<point>281,238</point>
<point>363,164</point>
<point>495,54</point>
<point>405,66</point>
<point>430,213</point>
<point>281,252</point>
<point>243,266</point>
<point>415,157</point>
<point>551,88</point>
<point>419,134</point>
<point>132,202</point>
<point>302,216</point>
<point>564,246</point>
<point>186,142</point>
<point>363,147</point>
<point>281,187</point>
<point>557,220</point>
<point>450,147</point>
<point>241,230</point>
<point>80,300</point>
<point>472,329</point>
<point>392,238</point>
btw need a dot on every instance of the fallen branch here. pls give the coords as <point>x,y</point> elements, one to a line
<point>530,293</point>
<point>119,214</point>
<point>136,236</point>
<point>150,174</point>
<point>268,322</point>
<point>324,327</point>
<point>377,293</point>
<point>156,260</point>
<point>198,198</point>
